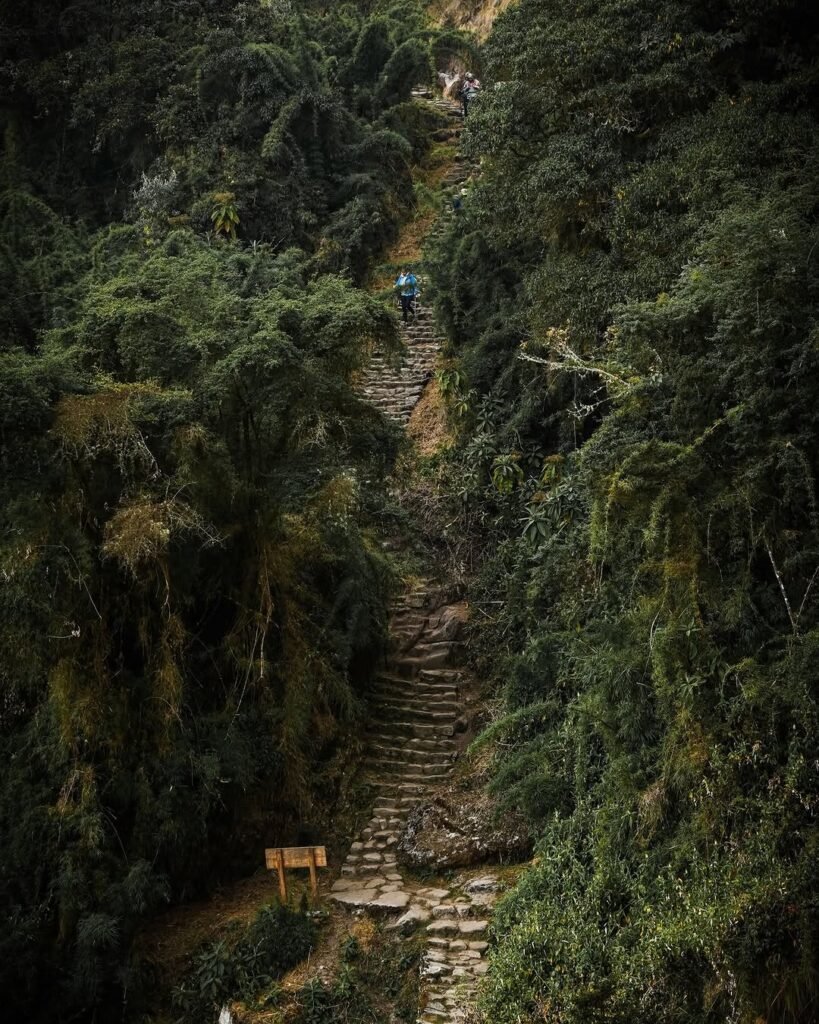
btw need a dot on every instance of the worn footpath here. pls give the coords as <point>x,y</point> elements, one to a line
<point>413,731</point>
<point>412,750</point>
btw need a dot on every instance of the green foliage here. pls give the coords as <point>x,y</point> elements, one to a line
<point>369,976</point>
<point>506,473</point>
<point>224,215</point>
<point>192,598</point>
<point>633,295</point>
<point>243,966</point>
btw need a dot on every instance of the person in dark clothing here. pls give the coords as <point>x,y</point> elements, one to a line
<point>458,201</point>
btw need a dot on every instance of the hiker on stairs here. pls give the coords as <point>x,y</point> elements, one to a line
<point>406,284</point>
<point>469,91</point>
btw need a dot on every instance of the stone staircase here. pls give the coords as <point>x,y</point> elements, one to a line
<point>395,388</point>
<point>411,749</point>
<point>411,746</point>
<point>417,715</point>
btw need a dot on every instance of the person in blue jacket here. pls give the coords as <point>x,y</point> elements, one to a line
<point>406,284</point>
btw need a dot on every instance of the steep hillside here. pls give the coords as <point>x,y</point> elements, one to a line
<point>514,605</point>
<point>193,594</point>
<point>632,298</point>
<point>476,16</point>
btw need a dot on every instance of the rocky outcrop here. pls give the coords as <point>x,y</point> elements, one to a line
<point>459,830</point>
<point>474,16</point>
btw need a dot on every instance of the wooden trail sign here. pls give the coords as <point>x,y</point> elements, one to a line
<point>281,858</point>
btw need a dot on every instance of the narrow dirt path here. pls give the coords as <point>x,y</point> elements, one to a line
<point>412,748</point>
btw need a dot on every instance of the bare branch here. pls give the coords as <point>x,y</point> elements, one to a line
<point>794,623</point>
<point>807,591</point>
<point>574,363</point>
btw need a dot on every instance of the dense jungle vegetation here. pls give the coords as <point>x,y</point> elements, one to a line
<point>192,584</point>
<point>190,591</point>
<point>631,293</point>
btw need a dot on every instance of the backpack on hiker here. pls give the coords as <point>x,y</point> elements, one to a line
<point>406,285</point>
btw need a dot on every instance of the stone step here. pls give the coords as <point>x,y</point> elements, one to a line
<point>355,870</point>
<point>408,764</point>
<point>427,645</point>
<point>420,685</point>
<point>421,730</point>
<point>435,656</point>
<point>396,813</point>
<point>394,388</point>
<point>416,715</point>
<point>429,698</point>
<point>391,814</point>
<point>409,616</point>
<point>417,376</point>
<point>424,639</point>
<point>396,401</point>
<point>385,385</point>
<point>420,743</point>
<point>414,601</point>
<point>437,675</point>
<point>418,702</point>
<point>463,928</point>
<point>409,782</point>
<point>403,631</point>
<point>398,806</point>
<point>399,755</point>
<point>424,593</point>
<point>457,912</point>
<point>415,692</point>
<point>436,646</point>
<point>393,394</point>
<point>416,787</point>
<point>408,376</point>
<point>388,752</point>
<point>372,900</point>
<point>425,621</point>
<point>421,356</point>
<point>398,803</point>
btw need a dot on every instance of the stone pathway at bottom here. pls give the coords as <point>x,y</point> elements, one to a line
<point>454,960</point>
<point>411,750</point>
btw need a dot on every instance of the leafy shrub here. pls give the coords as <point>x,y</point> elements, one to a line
<point>239,968</point>
<point>192,603</point>
<point>632,297</point>
<point>372,975</point>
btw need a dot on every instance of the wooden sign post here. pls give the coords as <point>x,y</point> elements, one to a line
<point>281,858</point>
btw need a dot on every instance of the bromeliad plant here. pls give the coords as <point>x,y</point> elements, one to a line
<point>224,215</point>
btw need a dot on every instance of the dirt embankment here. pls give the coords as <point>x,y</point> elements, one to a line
<point>474,15</point>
